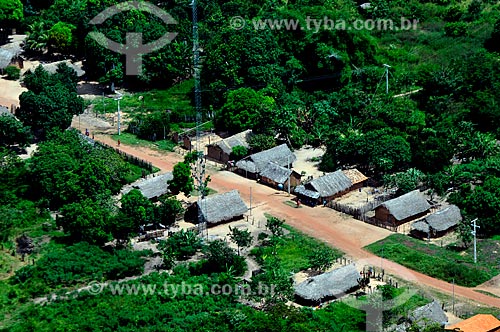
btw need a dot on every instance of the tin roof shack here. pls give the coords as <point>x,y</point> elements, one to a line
<point>330,186</point>
<point>252,165</point>
<point>221,151</point>
<point>402,209</point>
<point>328,286</point>
<point>151,188</point>
<point>437,224</point>
<point>275,176</point>
<point>218,208</point>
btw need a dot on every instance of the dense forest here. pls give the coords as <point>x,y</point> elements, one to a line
<point>410,108</point>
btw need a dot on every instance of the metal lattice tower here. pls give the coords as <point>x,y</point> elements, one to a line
<point>200,164</point>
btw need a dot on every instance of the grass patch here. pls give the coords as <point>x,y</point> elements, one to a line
<point>293,250</point>
<point>177,99</point>
<point>438,262</point>
<point>133,140</point>
<point>292,204</point>
<point>487,293</point>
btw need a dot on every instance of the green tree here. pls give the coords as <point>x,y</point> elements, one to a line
<point>12,131</point>
<point>275,225</point>
<point>182,180</point>
<point>87,220</point>
<point>406,181</point>
<point>167,211</point>
<point>464,232</point>
<point>241,237</point>
<point>137,207</point>
<point>321,259</point>
<point>238,152</point>
<point>244,109</point>
<point>51,100</point>
<point>181,245</point>
<point>13,72</point>
<point>60,37</point>
<point>222,258</point>
<point>261,142</point>
<point>11,13</point>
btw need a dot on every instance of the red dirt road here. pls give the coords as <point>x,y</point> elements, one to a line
<point>340,231</point>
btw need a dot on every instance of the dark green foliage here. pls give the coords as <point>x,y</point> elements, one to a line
<point>12,131</point>
<point>261,142</point>
<point>13,72</point>
<point>11,13</point>
<point>238,152</point>
<point>67,169</point>
<point>76,264</point>
<point>51,100</point>
<point>222,258</point>
<point>152,126</point>
<point>275,225</point>
<point>167,212</point>
<point>181,245</point>
<point>137,207</point>
<point>242,237</point>
<point>182,181</point>
<point>322,258</point>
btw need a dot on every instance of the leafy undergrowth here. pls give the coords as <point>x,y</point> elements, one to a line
<point>439,262</point>
<point>68,266</point>
<point>131,139</point>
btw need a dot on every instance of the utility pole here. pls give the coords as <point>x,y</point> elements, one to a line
<point>250,200</point>
<point>200,164</point>
<point>120,96</point>
<point>289,175</point>
<point>473,223</point>
<point>387,78</point>
<point>453,297</point>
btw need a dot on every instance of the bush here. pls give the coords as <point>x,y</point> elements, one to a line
<point>13,72</point>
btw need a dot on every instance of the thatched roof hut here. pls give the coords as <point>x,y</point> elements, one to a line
<point>327,286</point>
<point>222,207</point>
<point>151,188</point>
<point>438,222</point>
<point>276,172</point>
<point>330,185</point>
<point>429,314</point>
<point>255,163</point>
<point>403,208</point>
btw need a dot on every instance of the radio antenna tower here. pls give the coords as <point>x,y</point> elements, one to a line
<point>200,163</point>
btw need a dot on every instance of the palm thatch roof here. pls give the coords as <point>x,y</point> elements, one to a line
<point>407,205</point>
<point>256,162</point>
<point>9,52</point>
<point>302,190</point>
<point>325,186</point>
<point>222,207</point>
<point>439,221</point>
<point>240,139</point>
<point>328,285</point>
<point>276,173</point>
<point>153,187</point>
<point>429,314</point>
<point>52,67</point>
<point>354,175</point>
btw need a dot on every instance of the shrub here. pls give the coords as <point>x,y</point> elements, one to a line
<point>13,72</point>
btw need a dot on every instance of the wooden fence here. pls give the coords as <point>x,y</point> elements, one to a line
<point>128,157</point>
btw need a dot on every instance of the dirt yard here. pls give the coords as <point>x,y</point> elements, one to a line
<point>304,163</point>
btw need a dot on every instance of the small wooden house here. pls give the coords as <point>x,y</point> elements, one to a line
<point>402,209</point>
<point>328,286</point>
<point>221,151</point>
<point>437,224</point>
<point>275,176</point>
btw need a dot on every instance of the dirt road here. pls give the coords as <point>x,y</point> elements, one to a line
<point>337,229</point>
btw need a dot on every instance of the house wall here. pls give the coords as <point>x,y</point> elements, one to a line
<point>383,215</point>
<point>215,153</point>
<point>294,181</point>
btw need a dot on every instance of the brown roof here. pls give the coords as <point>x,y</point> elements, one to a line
<point>477,323</point>
<point>354,175</point>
